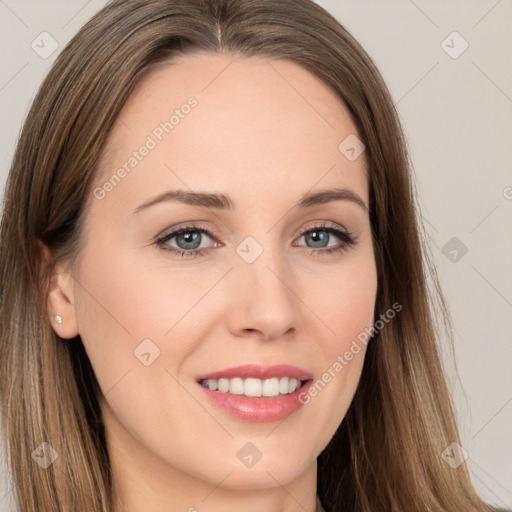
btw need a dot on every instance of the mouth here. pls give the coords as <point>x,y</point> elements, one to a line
<point>257,393</point>
<point>254,388</point>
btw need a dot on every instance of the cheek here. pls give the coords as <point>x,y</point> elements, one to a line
<point>349,314</point>
<point>122,297</point>
<point>356,303</point>
<point>128,308</point>
<point>344,300</point>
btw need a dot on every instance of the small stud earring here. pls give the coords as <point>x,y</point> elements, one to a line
<point>58,319</point>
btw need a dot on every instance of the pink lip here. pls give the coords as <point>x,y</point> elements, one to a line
<point>258,409</point>
<point>257,371</point>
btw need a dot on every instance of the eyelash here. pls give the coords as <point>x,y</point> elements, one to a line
<point>348,240</point>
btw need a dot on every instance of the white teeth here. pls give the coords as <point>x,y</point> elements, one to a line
<point>253,387</point>
<point>283,385</point>
<point>223,385</point>
<point>236,386</point>
<point>293,385</point>
<point>271,387</point>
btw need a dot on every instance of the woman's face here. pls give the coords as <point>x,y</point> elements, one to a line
<point>268,288</point>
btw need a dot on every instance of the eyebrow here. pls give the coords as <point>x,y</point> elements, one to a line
<point>224,202</point>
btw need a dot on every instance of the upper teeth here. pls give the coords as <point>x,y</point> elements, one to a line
<point>253,387</point>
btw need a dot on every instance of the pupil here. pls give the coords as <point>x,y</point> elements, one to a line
<point>317,238</point>
<point>190,237</point>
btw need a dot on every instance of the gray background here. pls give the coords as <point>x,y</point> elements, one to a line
<point>456,111</point>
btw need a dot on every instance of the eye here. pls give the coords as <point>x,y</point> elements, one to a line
<point>320,234</point>
<point>188,240</point>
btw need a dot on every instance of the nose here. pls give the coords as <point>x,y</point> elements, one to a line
<point>263,302</point>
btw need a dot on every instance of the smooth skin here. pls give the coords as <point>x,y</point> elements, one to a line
<point>264,132</point>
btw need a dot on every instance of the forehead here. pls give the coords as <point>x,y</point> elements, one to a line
<point>226,122</point>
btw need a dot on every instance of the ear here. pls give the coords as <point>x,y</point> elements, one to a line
<point>60,298</point>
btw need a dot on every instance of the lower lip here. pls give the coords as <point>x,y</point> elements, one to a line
<point>258,409</point>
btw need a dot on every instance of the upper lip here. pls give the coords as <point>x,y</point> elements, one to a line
<point>259,372</point>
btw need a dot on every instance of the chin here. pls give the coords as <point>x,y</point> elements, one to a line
<point>258,477</point>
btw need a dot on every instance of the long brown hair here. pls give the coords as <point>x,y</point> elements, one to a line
<point>386,454</point>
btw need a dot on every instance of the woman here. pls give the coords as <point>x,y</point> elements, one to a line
<point>213,288</point>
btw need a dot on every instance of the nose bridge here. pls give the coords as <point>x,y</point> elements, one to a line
<point>263,297</point>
